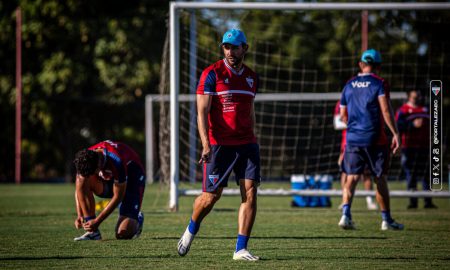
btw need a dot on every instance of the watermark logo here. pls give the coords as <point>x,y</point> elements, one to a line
<point>436,135</point>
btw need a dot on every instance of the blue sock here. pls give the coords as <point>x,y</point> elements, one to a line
<point>194,227</point>
<point>346,210</point>
<point>242,241</point>
<point>386,215</point>
<point>86,219</point>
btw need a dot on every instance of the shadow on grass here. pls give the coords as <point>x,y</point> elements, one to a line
<point>281,237</point>
<point>28,258</point>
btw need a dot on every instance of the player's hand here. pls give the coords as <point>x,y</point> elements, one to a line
<point>418,122</point>
<point>395,143</point>
<point>206,153</point>
<point>91,225</point>
<point>78,222</point>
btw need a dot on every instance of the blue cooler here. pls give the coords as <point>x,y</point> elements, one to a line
<point>314,183</point>
<point>299,182</point>
<point>325,183</point>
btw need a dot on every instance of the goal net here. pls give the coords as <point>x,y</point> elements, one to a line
<point>303,58</point>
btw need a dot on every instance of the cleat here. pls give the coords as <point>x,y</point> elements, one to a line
<point>89,236</point>
<point>430,206</point>
<point>244,255</point>
<point>185,242</point>
<point>372,206</point>
<point>346,223</point>
<point>412,206</point>
<point>391,226</point>
<point>140,225</point>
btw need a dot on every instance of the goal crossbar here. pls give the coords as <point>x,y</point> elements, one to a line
<point>312,6</point>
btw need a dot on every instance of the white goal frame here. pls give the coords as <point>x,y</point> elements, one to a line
<point>174,29</point>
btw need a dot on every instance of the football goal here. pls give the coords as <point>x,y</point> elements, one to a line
<point>304,53</point>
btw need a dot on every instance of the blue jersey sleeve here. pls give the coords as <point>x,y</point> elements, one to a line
<point>122,175</point>
<point>207,83</point>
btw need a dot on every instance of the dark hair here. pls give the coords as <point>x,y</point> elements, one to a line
<point>408,92</point>
<point>86,162</point>
<point>370,63</point>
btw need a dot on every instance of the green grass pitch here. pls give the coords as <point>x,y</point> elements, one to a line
<point>36,223</point>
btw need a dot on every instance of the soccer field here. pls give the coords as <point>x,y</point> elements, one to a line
<point>36,223</point>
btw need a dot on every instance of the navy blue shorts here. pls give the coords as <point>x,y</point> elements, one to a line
<point>132,201</point>
<point>356,158</point>
<point>244,160</point>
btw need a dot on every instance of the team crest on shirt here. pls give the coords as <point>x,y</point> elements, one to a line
<point>213,178</point>
<point>226,80</point>
<point>249,81</point>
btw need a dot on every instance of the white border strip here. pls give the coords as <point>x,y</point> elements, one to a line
<point>318,192</point>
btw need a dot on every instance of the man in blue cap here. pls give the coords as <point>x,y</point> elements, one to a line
<point>226,120</point>
<point>364,105</point>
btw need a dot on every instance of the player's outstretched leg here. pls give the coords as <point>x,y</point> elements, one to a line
<point>388,223</point>
<point>346,221</point>
<point>247,214</point>
<point>202,206</point>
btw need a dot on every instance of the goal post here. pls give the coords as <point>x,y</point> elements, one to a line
<point>174,29</point>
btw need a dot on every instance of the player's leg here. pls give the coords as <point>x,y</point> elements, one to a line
<point>126,227</point>
<point>353,165</point>
<point>203,204</point>
<point>215,178</point>
<point>247,171</point>
<point>378,161</point>
<point>371,205</point>
<point>343,174</point>
<point>130,222</point>
<point>85,188</point>
<point>411,181</point>
<point>348,191</point>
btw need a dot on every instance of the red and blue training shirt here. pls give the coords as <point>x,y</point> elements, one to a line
<point>230,118</point>
<point>413,137</point>
<point>116,157</point>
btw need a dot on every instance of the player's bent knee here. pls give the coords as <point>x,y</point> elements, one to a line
<point>124,235</point>
<point>209,199</point>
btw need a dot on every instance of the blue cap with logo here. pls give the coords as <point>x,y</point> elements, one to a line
<point>234,37</point>
<point>371,56</point>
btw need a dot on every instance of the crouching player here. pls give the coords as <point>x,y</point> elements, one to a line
<point>109,170</point>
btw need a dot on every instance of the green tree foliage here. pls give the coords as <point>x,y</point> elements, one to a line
<point>87,66</point>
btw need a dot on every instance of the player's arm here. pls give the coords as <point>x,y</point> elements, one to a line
<point>203,108</point>
<point>343,114</point>
<point>388,116</point>
<point>79,219</point>
<point>118,195</point>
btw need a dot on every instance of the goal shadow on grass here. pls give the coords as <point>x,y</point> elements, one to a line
<point>280,237</point>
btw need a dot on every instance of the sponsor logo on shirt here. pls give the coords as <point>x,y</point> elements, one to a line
<point>360,84</point>
<point>249,81</point>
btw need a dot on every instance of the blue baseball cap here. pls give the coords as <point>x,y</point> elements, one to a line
<point>234,37</point>
<point>371,56</point>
